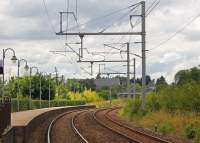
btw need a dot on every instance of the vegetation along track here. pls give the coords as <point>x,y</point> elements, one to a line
<point>102,116</point>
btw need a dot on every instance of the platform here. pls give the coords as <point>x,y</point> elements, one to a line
<point>23,118</point>
<point>23,123</point>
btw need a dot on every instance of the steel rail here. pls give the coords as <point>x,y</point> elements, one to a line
<point>52,124</point>
<point>54,121</point>
<point>76,131</point>
<point>102,124</point>
<point>133,130</point>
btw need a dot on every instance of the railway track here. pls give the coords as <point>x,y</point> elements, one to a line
<point>73,128</point>
<point>102,116</point>
<point>134,130</point>
<point>76,129</point>
<point>95,126</point>
<point>93,132</point>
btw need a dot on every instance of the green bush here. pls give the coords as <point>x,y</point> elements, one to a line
<point>104,94</point>
<point>166,128</point>
<point>153,103</point>
<point>24,104</point>
<point>193,131</point>
<point>132,108</point>
<point>197,139</point>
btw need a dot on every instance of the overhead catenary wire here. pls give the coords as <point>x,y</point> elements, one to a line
<point>118,19</point>
<point>53,29</point>
<point>149,10</point>
<point>107,15</point>
<point>176,33</point>
<point>48,16</point>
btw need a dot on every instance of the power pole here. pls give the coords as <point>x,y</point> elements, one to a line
<point>56,75</point>
<point>143,42</point>
<point>134,73</point>
<point>128,65</point>
<point>143,54</point>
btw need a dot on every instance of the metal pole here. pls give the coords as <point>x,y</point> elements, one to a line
<point>30,92</point>
<point>60,22</point>
<point>18,66</point>
<point>99,68</point>
<point>134,73</point>
<point>81,36</point>
<point>49,91</point>
<point>3,66</point>
<point>91,68</point>
<point>3,74</point>
<point>56,75</point>
<point>40,90</point>
<point>128,66</point>
<point>143,55</point>
<point>110,96</point>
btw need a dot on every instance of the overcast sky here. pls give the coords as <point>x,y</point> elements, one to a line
<point>29,28</point>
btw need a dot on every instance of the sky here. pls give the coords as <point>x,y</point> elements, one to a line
<point>29,28</point>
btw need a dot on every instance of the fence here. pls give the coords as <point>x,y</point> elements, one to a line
<point>5,114</point>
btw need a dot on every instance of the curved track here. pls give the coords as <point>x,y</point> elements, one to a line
<point>76,130</point>
<point>103,117</point>
<point>90,126</point>
<point>62,129</point>
<point>94,132</point>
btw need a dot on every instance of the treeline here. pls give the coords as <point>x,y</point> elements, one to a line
<point>183,95</point>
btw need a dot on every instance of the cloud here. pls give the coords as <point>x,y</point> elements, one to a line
<point>27,27</point>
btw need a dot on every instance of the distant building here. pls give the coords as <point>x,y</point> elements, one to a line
<point>106,82</point>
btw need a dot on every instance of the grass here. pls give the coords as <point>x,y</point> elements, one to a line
<point>164,122</point>
<point>106,104</point>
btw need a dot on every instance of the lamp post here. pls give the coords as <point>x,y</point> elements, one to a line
<point>49,90</point>
<point>30,84</point>
<point>18,68</point>
<point>14,59</point>
<point>41,73</point>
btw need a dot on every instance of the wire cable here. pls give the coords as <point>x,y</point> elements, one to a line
<point>119,19</point>
<point>48,16</point>
<point>176,33</point>
<point>107,15</point>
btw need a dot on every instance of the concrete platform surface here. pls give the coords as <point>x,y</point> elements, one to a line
<point>24,117</point>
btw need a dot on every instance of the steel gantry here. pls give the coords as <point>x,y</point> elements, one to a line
<point>143,43</point>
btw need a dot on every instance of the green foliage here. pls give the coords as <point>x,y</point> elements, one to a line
<point>132,108</point>
<point>153,103</point>
<point>11,89</point>
<point>104,94</point>
<point>61,92</point>
<point>24,104</point>
<point>80,85</point>
<point>86,95</point>
<point>184,97</point>
<point>192,131</point>
<point>166,128</point>
<point>185,76</point>
<point>139,80</point>
<point>161,83</point>
<point>91,96</point>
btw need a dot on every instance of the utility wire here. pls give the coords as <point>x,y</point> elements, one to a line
<point>52,26</point>
<point>48,16</point>
<point>176,33</point>
<point>107,15</point>
<point>148,12</point>
<point>119,19</point>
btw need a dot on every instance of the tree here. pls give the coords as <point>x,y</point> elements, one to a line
<point>161,81</point>
<point>139,80</point>
<point>98,76</point>
<point>12,87</point>
<point>185,76</point>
